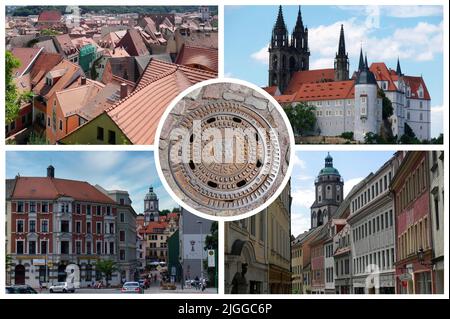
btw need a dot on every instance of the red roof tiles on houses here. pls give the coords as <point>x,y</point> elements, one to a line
<point>151,227</point>
<point>26,56</point>
<point>203,58</point>
<point>64,43</point>
<point>133,43</point>
<point>310,76</point>
<point>44,63</point>
<point>382,73</point>
<point>325,91</point>
<point>138,114</point>
<point>414,82</point>
<point>156,68</point>
<point>54,188</point>
<point>50,16</point>
<point>272,90</point>
<point>64,74</point>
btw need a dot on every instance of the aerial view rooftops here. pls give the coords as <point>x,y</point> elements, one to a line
<point>102,77</point>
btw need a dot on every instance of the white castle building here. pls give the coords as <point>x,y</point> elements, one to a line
<point>344,103</point>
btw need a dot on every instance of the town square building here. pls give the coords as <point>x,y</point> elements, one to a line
<point>55,225</point>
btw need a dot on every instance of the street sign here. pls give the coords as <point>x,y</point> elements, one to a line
<point>211,258</point>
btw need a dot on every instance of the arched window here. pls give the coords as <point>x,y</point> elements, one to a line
<point>283,61</point>
<point>275,62</point>
<point>319,218</point>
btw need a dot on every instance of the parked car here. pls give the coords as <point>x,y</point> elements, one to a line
<point>61,287</point>
<point>20,289</point>
<point>132,287</point>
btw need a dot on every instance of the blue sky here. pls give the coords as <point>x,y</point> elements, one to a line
<point>353,166</point>
<point>413,33</point>
<point>133,171</point>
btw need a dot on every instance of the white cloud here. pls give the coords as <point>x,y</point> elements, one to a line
<point>299,162</point>
<point>300,222</point>
<point>262,55</point>
<point>303,197</point>
<point>397,11</point>
<point>418,43</point>
<point>348,185</point>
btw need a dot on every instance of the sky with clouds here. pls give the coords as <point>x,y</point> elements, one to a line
<point>412,33</point>
<point>133,171</point>
<point>353,166</point>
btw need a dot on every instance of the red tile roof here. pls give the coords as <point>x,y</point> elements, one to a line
<point>133,43</point>
<point>271,89</point>
<point>152,226</point>
<point>156,68</point>
<point>26,56</point>
<point>50,16</point>
<point>65,44</point>
<point>44,63</point>
<point>325,91</point>
<point>67,71</point>
<point>414,83</point>
<point>46,188</point>
<point>310,76</point>
<point>138,114</point>
<point>382,73</point>
<point>203,58</point>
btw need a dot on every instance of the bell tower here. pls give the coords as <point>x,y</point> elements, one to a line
<point>151,209</point>
<point>329,193</point>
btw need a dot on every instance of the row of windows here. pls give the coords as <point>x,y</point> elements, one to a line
<point>329,103</point>
<point>408,116</point>
<point>342,267</point>
<point>296,253</point>
<point>329,251</point>
<point>413,239</point>
<point>107,248</point>
<point>380,260</point>
<point>375,189</point>
<point>63,207</point>
<point>415,184</point>
<point>328,113</point>
<point>64,227</point>
<point>373,226</point>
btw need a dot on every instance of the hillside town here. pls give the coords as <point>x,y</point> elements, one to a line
<point>99,78</point>
<point>60,230</point>
<point>386,236</point>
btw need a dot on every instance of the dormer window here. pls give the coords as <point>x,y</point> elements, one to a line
<point>48,81</point>
<point>385,85</point>
<point>420,92</point>
<point>408,92</point>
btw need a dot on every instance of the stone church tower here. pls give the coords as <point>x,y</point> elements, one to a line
<point>287,56</point>
<point>341,63</point>
<point>151,209</point>
<point>329,193</point>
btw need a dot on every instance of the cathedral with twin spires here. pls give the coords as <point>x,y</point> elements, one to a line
<point>345,103</point>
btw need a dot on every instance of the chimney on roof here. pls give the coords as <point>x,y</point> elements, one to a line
<point>51,171</point>
<point>83,80</point>
<point>123,90</point>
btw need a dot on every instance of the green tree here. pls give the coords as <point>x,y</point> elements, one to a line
<point>107,267</point>
<point>37,139</point>
<point>302,117</point>
<point>49,32</point>
<point>212,240</point>
<point>12,103</point>
<point>388,110</point>
<point>438,140</point>
<point>409,137</point>
<point>164,212</point>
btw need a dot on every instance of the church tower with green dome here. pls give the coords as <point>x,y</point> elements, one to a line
<point>151,209</point>
<point>329,193</point>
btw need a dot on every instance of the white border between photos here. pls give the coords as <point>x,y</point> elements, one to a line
<point>220,4</point>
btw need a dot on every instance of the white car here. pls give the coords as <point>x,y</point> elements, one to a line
<point>132,287</point>
<point>61,287</point>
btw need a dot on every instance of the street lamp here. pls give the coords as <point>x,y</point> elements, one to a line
<point>201,248</point>
<point>421,257</point>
